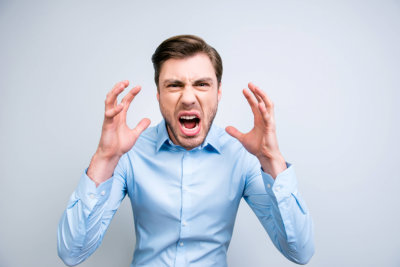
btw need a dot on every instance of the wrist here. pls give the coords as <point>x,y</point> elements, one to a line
<point>102,167</point>
<point>273,165</point>
<point>106,156</point>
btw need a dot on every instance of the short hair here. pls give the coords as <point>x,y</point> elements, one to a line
<point>183,46</point>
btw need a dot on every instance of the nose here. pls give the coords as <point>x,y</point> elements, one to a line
<point>188,97</point>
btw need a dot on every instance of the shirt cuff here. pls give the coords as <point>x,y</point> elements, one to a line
<point>284,185</point>
<point>91,195</point>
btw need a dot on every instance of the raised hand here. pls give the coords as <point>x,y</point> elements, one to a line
<point>116,137</point>
<point>261,141</point>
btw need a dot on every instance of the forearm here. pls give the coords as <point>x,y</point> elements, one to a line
<point>101,167</point>
<point>293,234</point>
<point>86,219</point>
<point>74,242</point>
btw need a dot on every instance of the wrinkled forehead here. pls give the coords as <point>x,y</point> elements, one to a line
<point>187,69</point>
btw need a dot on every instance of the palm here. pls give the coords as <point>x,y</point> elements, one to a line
<point>252,141</point>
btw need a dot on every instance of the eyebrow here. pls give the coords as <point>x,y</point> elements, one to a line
<point>172,81</point>
<point>205,79</point>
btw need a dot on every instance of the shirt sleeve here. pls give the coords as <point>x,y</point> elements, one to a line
<point>88,215</point>
<point>282,212</point>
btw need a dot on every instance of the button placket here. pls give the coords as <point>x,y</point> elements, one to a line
<point>186,173</point>
<point>180,248</point>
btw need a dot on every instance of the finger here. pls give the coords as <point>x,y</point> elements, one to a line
<point>127,100</point>
<point>111,99</point>
<point>252,88</point>
<point>234,132</point>
<point>253,104</point>
<point>140,127</point>
<point>111,113</point>
<point>251,100</point>
<point>264,113</point>
<point>264,97</point>
<point>267,101</point>
<point>130,96</point>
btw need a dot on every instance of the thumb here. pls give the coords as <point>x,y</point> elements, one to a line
<point>140,127</point>
<point>234,132</point>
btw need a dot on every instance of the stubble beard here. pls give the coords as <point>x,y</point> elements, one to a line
<point>188,142</point>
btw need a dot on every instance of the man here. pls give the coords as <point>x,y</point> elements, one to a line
<point>185,177</point>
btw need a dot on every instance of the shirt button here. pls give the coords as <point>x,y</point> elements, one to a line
<point>269,185</point>
<point>181,244</point>
<point>92,196</point>
<point>183,224</point>
<point>103,193</point>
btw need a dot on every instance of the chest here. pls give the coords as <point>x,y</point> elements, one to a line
<point>167,184</point>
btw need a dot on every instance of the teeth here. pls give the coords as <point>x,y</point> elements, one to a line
<point>188,117</point>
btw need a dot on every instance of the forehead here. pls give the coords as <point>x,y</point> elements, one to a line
<point>190,68</point>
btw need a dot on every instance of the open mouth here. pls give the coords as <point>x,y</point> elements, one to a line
<point>190,124</point>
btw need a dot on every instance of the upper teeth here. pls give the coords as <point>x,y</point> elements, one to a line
<point>188,117</point>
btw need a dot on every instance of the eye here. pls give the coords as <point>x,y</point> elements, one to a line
<point>173,85</point>
<point>203,84</point>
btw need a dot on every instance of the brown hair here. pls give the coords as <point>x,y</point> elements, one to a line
<point>183,46</point>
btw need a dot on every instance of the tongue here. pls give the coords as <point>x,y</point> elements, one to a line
<point>189,124</point>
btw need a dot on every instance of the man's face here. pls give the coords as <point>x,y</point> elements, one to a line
<point>188,95</point>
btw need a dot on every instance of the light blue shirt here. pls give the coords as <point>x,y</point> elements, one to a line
<point>185,203</point>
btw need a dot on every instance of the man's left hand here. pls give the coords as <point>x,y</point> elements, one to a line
<point>261,141</point>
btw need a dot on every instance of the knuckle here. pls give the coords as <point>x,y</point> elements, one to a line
<point>107,101</point>
<point>136,131</point>
<point>110,113</point>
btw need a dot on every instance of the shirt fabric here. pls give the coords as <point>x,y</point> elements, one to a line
<point>185,203</point>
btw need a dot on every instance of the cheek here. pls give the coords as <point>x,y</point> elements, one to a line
<point>168,103</point>
<point>210,102</point>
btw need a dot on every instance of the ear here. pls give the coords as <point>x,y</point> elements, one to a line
<point>219,92</point>
<point>158,96</point>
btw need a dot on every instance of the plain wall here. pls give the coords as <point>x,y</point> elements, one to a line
<point>331,68</point>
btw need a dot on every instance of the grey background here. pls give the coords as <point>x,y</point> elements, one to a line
<point>331,68</point>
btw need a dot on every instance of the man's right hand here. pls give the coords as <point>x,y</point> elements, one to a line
<point>116,137</point>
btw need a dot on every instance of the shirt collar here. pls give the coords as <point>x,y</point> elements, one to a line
<point>211,141</point>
